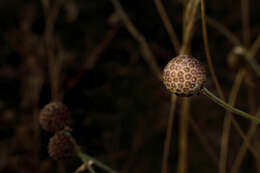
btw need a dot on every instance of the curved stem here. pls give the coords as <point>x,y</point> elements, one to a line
<point>207,51</point>
<point>144,46</point>
<point>226,106</point>
<point>86,159</point>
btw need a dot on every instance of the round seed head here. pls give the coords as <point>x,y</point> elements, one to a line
<point>61,146</point>
<point>184,75</point>
<point>54,117</point>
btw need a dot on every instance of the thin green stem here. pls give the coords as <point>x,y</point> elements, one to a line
<point>91,169</point>
<point>88,159</point>
<point>226,106</point>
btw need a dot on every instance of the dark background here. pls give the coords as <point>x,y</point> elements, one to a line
<point>119,108</point>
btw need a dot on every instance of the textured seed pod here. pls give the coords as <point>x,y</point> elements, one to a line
<point>61,146</point>
<point>184,75</point>
<point>54,117</point>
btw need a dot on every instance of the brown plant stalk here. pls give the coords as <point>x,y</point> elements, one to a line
<point>166,21</point>
<point>147,54</point>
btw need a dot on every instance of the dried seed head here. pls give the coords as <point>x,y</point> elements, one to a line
<point>54,117</point>
<point>61,146</point>
<point>184,75</point>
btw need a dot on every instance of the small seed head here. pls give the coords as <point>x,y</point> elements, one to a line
<point>184,75</point>
<point>61,146</point>
<point>54,116</point>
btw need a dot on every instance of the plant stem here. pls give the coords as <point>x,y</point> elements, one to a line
<point>86,159</point>
<point>246,54</point>
<point>167,142</point>
<point>207,51</point>
<point>226,106</point>
<point>91,170</point>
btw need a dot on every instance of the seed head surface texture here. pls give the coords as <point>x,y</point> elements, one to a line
<point>61,146</point>
<point>184,75</point>
<point>54,117</point>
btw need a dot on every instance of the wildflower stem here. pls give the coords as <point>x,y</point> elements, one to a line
<point>226,106</point>
<point>87,160</point>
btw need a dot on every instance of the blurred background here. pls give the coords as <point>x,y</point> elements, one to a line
<point>79,52</point>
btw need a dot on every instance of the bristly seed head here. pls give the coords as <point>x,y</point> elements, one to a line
<point>54,116</point>
<point>61,146</point>
<point>184,75</point>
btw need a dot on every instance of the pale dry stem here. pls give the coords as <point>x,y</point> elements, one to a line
<point>54,64</point>
<point>243,148</point>
<point>227,118</point>
<point>203,141</point>
<point>166,21</point>
<point>191,9</point>
<point>183,136</point>
<point>167,142</point>
<point>144,47</point>
<point>235,41</point>
<point>150,59</point>
<point>207,51</point>
<point>227,122</point>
